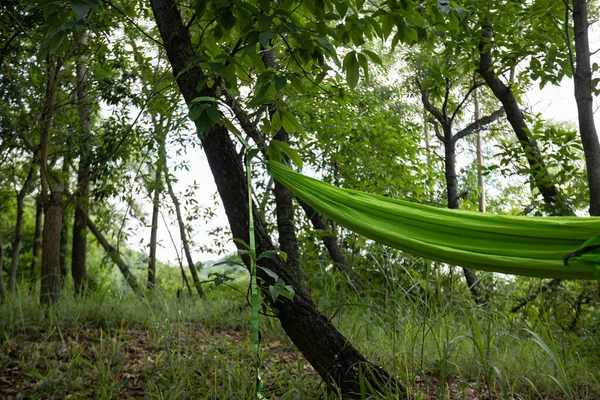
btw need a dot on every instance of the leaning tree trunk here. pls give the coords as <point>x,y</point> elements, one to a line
<point>114,255</point>
<point>79,245</point>
<point>539,173</point>
<point>284,200</point>
<point>327,350</point>
<point>582,77</point>
<point>340,262</point>
<point>50,276</point>
<point>16,245</point>
<point>329,240</point>
<point>184,240</point>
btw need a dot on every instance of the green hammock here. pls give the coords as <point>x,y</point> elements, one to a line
<point>544,247</point>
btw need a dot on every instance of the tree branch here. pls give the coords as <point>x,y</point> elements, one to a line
<point>477,125</point>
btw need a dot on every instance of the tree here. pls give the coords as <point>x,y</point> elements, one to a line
<point>582,77</point>
<point>333,357</point>
<point>445,117</point>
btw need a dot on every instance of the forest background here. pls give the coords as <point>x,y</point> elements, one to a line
<point>106,105</point>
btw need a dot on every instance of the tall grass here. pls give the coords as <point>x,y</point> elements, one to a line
<point>106,346</point>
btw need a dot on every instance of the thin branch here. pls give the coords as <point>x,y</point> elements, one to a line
<point>131,21</point>
<point>477,125</point>
<point>568,38</point>
<point>460,105</point>
<point>446,98</point>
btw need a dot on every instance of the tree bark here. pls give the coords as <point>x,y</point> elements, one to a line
<point>114,255</point>
<point>331,244</point>
<point>329,240</point>
<point>2,286</point>
<point>479,152</point>
<point>16,245</point>
<point>328,351</point>
<point>284,200</point>
<point>453,202</point>
<point>79,245</point>
<point>181,223</point>
<point>50,276</point>
<point>449,139</point>
<point>284,207</point>
<point>582,78</point>
<point>539,173</point>
<point>37,239</point>
<point>51,194</point>
<point>154,228</point>
<point>64,225</point>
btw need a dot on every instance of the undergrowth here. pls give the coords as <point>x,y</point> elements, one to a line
<point>105,346</point>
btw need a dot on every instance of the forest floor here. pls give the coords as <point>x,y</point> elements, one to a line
<point>100,361</point>
<point>163,349</point>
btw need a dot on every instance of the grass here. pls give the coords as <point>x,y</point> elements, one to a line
<point>106,346</point>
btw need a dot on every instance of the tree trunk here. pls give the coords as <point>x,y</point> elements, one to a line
<point>64,226</point>
<point>582,78</point>
<point>50,276</point>
<point>450,169</point>
<point>37,239</point>
<point>329,240</point>
<point>453,202</point>
<point>479,151</point>
<point>181,223</point>
<point>327,350</point>
<point>2,286</point>
<point>284,200</point>
<point>51,195</point>
<point>539,173</point>
<point>114,255</point>
<point>154,228</point>
<point>16,245</point>
<point>288,240</point>
<point>79,246</point>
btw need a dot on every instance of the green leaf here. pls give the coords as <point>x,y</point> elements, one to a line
<point>80,8</point>
<point>280,82</point>
<point>200,8</point>
<point>277,149</point>
<point>203,123</point>
<point>362,60</point>
<point>257,61</point>
<point>203,99</point>
<point>270,273</point>
<point>213,114</point>
<point>242,242</point>
<point>288,292</point>
<point>289,122</point>
<point>274,292</point>
<point>266,36</point>
<point>272,254</point>
<point>352,69</point>
<point>231,127</point>
<point>228,20</point>
<point>195,112</point>
<point>373,56</point>
<point>342,8</point>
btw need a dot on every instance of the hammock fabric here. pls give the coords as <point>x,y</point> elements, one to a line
<point>530,246</point>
